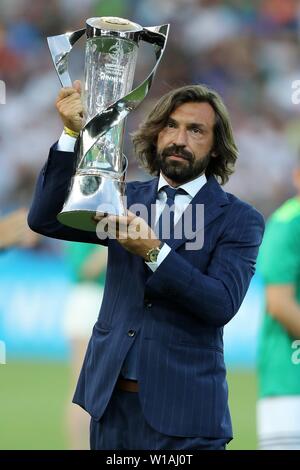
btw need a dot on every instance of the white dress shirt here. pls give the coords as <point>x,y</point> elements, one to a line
<point>66,143</point>
<point>181,201</point>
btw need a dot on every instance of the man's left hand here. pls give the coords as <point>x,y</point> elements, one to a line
<point>132,232</point>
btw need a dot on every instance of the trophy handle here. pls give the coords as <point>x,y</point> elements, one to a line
<point>60,46</point>
<point>116,112</point>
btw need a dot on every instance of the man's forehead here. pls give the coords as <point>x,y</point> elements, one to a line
<point>196,112</point>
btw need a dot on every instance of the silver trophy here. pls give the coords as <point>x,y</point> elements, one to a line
<point>110,59</point>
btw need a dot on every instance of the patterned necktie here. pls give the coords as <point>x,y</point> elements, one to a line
<point>165,223</point>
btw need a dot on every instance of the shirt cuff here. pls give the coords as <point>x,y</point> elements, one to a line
<point>66,143</point>
<point>161,256</point>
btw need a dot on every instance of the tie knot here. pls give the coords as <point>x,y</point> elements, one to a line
<point>171,192</point>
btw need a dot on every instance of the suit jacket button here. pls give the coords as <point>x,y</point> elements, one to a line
<point>131,333</point>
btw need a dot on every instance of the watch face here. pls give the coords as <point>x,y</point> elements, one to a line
<point>153,255</point>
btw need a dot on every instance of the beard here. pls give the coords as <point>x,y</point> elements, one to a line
<point>178,170</point>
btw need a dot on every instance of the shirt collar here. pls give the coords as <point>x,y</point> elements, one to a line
<point>191,187</point>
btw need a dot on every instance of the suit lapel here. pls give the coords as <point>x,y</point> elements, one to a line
<point>144,194</point>
<point>205,207</point>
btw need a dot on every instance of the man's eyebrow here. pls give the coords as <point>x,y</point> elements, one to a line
<point>190,125</point>
<point>197,124</point>
<point>171,120</point>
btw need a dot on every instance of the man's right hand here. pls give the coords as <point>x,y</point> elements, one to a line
<point>70,108</point>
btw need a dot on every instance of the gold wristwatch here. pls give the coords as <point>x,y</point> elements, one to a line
<point>152,254</point>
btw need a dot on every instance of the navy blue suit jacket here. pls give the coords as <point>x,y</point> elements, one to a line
<point>179,310</point>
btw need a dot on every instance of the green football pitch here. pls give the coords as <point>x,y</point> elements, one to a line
<point>33,397</point>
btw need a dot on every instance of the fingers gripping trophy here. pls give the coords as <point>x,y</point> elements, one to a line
<point>112,44</point>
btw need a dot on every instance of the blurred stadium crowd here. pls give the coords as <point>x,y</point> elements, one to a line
<point>249,51</point>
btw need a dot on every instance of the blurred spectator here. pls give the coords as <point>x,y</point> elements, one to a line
<point>87,265</point>
<point>278,409</point>
<point>14,231</point>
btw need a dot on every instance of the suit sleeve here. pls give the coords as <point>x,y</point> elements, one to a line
<point>50,194</point>
<point>216,295</point>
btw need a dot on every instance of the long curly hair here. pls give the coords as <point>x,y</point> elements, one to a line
<point>145,138</point>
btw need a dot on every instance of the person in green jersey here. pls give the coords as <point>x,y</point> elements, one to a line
<point>278,407</point>
<point>87,267</point>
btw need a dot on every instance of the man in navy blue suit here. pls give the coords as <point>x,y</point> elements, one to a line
<point>154,375</point>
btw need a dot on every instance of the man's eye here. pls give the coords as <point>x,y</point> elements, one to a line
<point>170,124</point>
<point>196,130</point>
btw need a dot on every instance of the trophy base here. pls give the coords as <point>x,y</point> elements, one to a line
<point>90,195</point>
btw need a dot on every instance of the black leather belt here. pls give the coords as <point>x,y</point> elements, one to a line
<point>128,385</point>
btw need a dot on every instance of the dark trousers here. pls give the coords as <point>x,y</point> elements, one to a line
<point>123,427</point>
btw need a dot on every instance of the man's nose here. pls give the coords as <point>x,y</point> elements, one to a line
<point>180,139</point>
